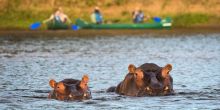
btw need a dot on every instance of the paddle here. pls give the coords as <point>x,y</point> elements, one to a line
<point>35,25</point>
<point>157,19</point>
<point>75,27</point>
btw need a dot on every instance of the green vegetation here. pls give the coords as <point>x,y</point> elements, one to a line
<point>19,14</point>
<point>190,19</point>
<point>20,20</point>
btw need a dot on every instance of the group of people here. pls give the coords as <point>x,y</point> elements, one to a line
<point>96,17</point>
<point>60,17</point>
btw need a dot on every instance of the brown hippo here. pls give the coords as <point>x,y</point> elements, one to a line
<point>70,89</point>
<point>148,79</point>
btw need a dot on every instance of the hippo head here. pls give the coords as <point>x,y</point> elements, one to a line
<point>132,83</point>
<point>158,81</point>
<point>70,89</point>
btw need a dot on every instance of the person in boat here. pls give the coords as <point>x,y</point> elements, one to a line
<point>58,17</point>
<point>96,16</point>
<point>138,16</point>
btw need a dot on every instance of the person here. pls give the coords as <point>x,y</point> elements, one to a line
<point>96,16</point>
<point>138,16</point>
<point>58,16</point>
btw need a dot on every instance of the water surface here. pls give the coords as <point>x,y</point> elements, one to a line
<point>26,66</point>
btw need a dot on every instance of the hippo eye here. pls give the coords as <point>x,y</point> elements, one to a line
<point>136,74</point>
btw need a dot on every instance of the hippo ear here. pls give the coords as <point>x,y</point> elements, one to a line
<point>85,79</point>
<point>84,82</point>
<point>131,68</point>
<point>166,70</point>
<point>140,73</point>
<point>52,83</point>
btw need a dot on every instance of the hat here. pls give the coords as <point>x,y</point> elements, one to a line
<point>96,8</point>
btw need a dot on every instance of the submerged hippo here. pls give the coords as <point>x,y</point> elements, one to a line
<point>70,89</point>
<point>148,79</point>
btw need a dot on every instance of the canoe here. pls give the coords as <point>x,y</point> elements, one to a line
<point>165,23</point>
<point>54,25</point>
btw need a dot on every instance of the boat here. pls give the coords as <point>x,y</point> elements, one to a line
<point>164,23</point>
<point>55,25</point>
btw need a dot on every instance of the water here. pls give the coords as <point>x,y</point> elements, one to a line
<point>27,65</point>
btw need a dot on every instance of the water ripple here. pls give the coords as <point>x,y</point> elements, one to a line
<point>26,66</point>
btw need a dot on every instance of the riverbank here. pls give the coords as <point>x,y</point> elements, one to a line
<point>93,33</point>
<point>17,14</point>
<point>18,21</point>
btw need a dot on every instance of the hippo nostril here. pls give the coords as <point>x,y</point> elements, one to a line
<point>156,86</point>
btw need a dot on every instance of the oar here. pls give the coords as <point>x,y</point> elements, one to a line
<point>35,25</point>
<point>75,27</point>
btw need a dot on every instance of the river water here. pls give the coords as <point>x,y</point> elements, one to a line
<point>27,65</point>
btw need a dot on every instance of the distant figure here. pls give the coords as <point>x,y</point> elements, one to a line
<point>96,16</point>
<point>138,16</point>
<point>59,17</point>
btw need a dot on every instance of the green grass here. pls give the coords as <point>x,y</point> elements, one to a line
<point>190,19</point>
<point>21,19</point>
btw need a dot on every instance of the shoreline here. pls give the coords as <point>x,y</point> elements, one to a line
<point>113,32</point>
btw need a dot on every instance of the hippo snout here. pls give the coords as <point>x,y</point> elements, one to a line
<point>80,95</point>
<point>87,94</point>
<point>156,86</point>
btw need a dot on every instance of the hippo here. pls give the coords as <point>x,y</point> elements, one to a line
<point>146,80</point>
<point>70,89</point>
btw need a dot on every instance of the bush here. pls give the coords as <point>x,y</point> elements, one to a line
<point>189,19</point>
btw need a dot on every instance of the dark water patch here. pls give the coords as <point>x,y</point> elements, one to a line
<point>187,93</point>
<point>194,93</point>
<point>30,51</point>
<point>41,91</point>
<point>101,99</point>
<point>101,105</point>
<point>176,100</point>
<point>110,98</point>
<point>20,90</point>
<point>90,102</point>
<point>14,106</point>
<point>6,83</point>
<point>183,86</point>
<point>205,99</point>
<point>36,97</point>
<point>5,101</point>
<point>217,90</point>
<point>8,56</point>
<point>2,87</point>
<point>200,95</point>
<point>100,91</point>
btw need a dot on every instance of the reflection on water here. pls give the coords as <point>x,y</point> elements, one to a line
<point>26,66</point>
